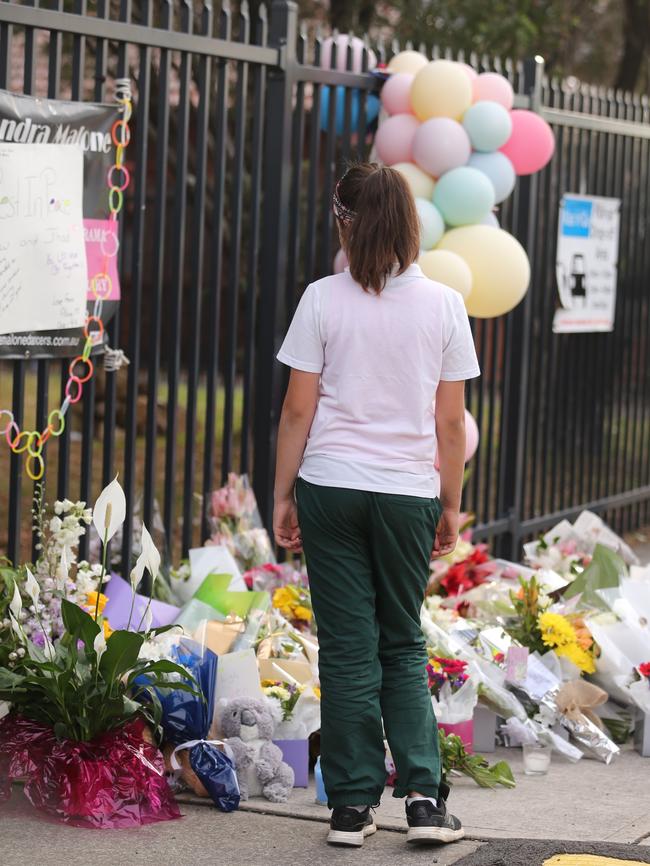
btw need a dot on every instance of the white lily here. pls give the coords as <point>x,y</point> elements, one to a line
<point>109,512</point>
<point>62,571</point>
<point>137,572</point>
<point>16,604</point>
<point>149,558</point>
<point>99,645</point>
<point>48,648</point>
<point>147,620</point>
<point>17,629</point>
<point>32,588</point>
<point>150,552</point>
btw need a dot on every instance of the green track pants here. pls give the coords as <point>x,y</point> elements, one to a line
<point>368,562</point>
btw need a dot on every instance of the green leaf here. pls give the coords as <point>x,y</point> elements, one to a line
<point>79,623</point>
<point>61,731</point>
<point>9,679</point>
<point>604,571</point>
<point>122,650</point>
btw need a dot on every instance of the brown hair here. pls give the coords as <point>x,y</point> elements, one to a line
<point>378,223</point>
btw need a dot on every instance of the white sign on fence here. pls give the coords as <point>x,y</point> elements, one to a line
<point>587,263</point>
<point>43,274</point>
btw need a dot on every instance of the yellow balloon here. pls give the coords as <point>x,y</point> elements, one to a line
<point>499,265</point>
<point>442,88</point>
<point>449,268</point>
<point>407,61</point>
<point>421,183</point>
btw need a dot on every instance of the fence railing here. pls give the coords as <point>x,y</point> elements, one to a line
<point>237,140</point>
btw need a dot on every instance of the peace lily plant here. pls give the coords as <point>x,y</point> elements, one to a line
<point>85,682</point>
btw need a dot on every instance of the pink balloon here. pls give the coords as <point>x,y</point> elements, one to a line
<point>394,138</point>
<point>531,145</point>
<point>396,93</point>
<point>342,42</point>
<point>471,436</point>
<point>340,261</point>
<point>471,440</point>
<point>441,144</point>
<point>494,88</point>
<point>473,74</point>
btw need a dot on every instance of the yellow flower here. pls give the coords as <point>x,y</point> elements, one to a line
<point>91,601</point>
<point>108,631</point>
<point>283,600</point>
<point>316,691</point>
<point>580,657</point>
<point>301,612</point>
<point>556,630</point>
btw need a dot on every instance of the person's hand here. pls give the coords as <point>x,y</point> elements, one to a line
<point>285,525</point>
<point>446,533</point>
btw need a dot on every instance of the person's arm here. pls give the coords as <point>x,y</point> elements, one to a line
<point>450,433</point>
<point>295,422</point>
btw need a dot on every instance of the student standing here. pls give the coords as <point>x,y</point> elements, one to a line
<point>379,357</point>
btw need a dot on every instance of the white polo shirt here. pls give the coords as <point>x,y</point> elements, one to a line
<point>380,359</point>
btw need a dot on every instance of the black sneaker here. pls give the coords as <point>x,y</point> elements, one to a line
<point>350,827</point>
<point>429,823</point>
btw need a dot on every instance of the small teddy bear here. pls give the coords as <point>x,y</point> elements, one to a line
<point>247,724</point>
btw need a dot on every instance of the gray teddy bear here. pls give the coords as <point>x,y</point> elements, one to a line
<point>247,724</point>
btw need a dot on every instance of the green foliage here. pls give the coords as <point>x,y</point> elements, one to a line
<point>82,692</point>
<point>456,759</point>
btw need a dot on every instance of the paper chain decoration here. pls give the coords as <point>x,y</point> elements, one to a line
<point>81,368</point>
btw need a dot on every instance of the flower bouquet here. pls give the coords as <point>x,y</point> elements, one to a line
<point>236,523</point>
<point>294,603</point>
<point>453,696</point>
<point>80,726</point>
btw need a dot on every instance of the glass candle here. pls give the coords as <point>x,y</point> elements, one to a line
<point>537,759</point>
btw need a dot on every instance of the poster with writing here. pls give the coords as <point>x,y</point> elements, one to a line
<point>43,270</point>
<point>25,121</point>
<point>587,263</point>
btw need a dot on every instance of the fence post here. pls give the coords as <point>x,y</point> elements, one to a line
<point>515,403</point>
<point>274,250</point>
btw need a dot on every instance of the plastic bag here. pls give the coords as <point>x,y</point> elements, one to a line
<point>116,781</point>
<point>454,707</point>
<point>186,721</point>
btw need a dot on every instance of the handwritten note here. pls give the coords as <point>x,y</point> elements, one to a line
<point>43,273</point>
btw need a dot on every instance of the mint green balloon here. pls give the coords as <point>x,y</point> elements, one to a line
<point>432,225</point>
<point>464,196</point>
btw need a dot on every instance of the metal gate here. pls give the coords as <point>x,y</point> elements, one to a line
<point>238,137</point>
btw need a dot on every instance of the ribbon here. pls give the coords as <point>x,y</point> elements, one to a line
<point>175,764</point>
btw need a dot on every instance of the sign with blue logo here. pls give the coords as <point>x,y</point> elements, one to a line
<point>587,263</point>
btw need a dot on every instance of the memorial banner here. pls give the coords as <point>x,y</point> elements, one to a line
<point>26,123</point>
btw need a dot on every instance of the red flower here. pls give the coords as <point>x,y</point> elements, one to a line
<point>451,666</point>
<point>644,669</point>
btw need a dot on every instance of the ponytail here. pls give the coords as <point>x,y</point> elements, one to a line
<point>378,223</point>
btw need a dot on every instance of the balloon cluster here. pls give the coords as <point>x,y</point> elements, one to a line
<point>455,137</point>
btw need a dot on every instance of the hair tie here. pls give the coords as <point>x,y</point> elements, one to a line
<point>341,212</point>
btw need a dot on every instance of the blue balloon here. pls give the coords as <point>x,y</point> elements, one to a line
<point>498,168</point>
<point>371,112</point>
<point>488,125</point>
<point>464,196</point>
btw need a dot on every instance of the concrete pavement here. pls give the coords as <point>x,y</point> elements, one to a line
<point>585,801</point>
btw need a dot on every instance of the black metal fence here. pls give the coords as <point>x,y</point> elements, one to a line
<point>238,138</point>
